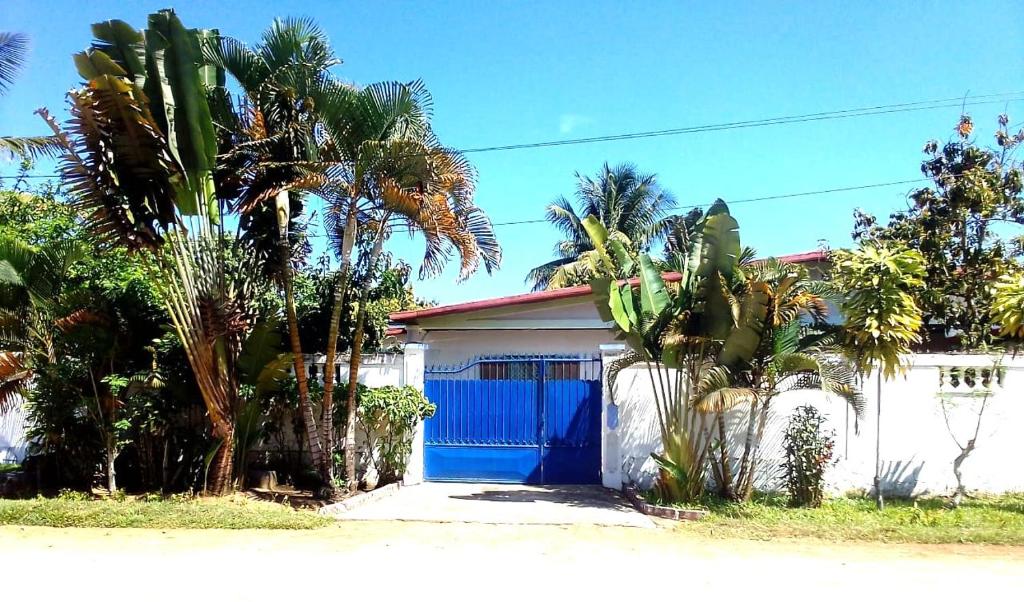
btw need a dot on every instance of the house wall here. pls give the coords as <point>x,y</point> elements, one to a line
<point>917,448</point>
<point>453,347</point>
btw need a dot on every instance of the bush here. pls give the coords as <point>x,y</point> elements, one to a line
<point>808,455</point>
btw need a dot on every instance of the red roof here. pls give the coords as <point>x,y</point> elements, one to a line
<point>410,317</point>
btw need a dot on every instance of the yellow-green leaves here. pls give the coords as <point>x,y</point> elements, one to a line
<point>1008,305</point>
<point>882,315</point>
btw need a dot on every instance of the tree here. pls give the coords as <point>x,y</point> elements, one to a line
<point>138,159</point>
<point>727,334</point>
<point>625,201</point>
<point>955,225</point>
<point>882,319</point>
<point>393,173</point>
<point>790,346</point>
<point>270,149</point>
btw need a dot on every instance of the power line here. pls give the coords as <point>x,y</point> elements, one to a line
<point>759,199</point>
<point>886,109</point>
<point>792,119</point>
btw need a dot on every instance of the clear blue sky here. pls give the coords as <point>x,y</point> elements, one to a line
<point>511,72</point>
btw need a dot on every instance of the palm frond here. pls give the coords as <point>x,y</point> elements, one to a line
<point>31,147</point>
<point>13,51</point>
<point>616,366</point>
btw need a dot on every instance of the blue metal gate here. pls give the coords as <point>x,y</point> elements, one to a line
<point>515,420</point>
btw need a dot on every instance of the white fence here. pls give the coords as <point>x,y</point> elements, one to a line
<point>376,370</point>
<point>917,447</point>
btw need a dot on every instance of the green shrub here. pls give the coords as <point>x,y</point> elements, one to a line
<point>808,455</point>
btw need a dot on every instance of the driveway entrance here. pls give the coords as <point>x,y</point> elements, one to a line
<point>503,504</point>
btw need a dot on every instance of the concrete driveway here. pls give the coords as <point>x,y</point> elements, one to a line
<point>503,505</point>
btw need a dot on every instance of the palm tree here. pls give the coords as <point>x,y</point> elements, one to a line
<point>13,51</point>
<point>623,200</point>
<point>395,175</point>
<point>270,149</point>
<point>789,346</point>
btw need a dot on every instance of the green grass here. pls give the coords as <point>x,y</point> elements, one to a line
<point>989,520</point>
<point>4,468</point>
<point>76,510</point>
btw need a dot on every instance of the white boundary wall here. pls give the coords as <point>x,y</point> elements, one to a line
<point>13,446</point>
<point>917,449</point>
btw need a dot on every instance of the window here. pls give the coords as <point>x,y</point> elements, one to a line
<point>508,371</point>
<point>563,370</point>
<point>499,370</point>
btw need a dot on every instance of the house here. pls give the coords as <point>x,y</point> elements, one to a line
<point>518,386</point>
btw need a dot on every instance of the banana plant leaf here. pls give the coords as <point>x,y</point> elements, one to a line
<point>653,296</point>
<point>178,100</point>
<point>743,340</point>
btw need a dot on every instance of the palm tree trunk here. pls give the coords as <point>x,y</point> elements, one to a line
<point>748,487</point>
<point>726,486</point>
<point>340,291</point>
<point>284,250</point>
<point>748,445</point>
<point>221,468</point>
<point>355,358</point>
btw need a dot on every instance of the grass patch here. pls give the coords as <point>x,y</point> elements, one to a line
<point>990,520</point>
<point>5,468</point>
<point>178,512</point>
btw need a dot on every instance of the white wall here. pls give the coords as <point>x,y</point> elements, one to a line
<point>453,347</point>
<point>13,446</point>
<point>917,450</point>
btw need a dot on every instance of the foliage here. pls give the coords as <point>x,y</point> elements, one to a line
<point>388,417</point>
<point>979,520</point>
<point>7,467</point>
<point>808,455</point>
<point>630,205</point>
<point>1008,305</point>
<point>154,512</point>
<point>314,294</point>
<point>956,224</point>
<point>138,159</point>
<point>727,334</point>
<point>879,282</point>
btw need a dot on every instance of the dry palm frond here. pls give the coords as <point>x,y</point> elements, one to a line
<point>14,377</point>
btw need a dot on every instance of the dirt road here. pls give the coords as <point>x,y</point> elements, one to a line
<point>472,561</point>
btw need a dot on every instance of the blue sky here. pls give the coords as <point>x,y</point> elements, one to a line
<point>511,72</point>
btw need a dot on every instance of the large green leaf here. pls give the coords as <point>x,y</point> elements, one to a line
<point>653,296</point>
<point>720,245</point>
<point>742,342</point>
<point>600,288</point>
<point>618,309</point>
<point>125,45</point>
<point>178,101</point>
<point>629,305</point>
<point>93,63</point>
<point>622,258</point>
<point>599,238</point>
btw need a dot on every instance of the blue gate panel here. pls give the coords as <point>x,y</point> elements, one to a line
<point>572,431</point>
<point>482,412</point>
<point>515,420</point>
<point>478,463</point>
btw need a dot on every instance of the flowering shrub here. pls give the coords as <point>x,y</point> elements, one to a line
<point>808,455</point>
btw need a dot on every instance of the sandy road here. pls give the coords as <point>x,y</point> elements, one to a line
<point>473,561</point>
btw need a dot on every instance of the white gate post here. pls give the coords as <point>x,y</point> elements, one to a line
<point>611,454</point>
<point>414,364</point>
